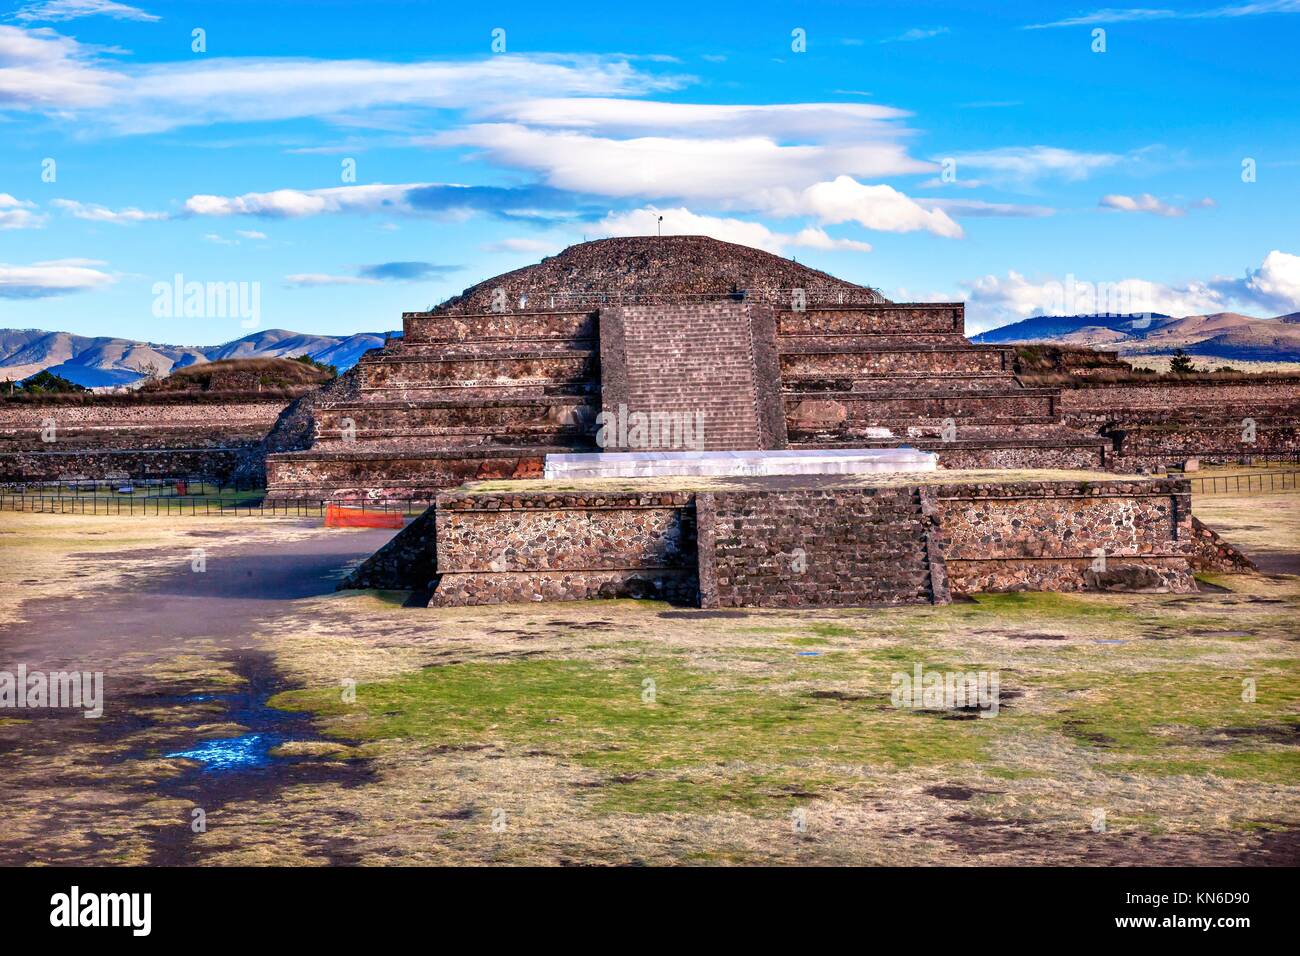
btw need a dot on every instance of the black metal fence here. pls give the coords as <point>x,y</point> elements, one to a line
<point>243,505</point>
<point>1264,482</point>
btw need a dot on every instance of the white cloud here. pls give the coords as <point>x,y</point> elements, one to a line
<point>39,69</point>
<point>978,207</point>
<point>250,234</point>
<point>878,207</point>
<point>94,212</point>
<point>17,214</point>
<point>1149,203</point>
<point>715,169</point>
<point>681,221</point>
<point>52,11</point>
<point>1275,284</point>
<point>219,240</point>
<point>1273,287</point>
<point>305,280</point>
<point>1027,163</point>
<point>54,277</point>
<point>297,203</point>
<point>785,122</point>
<point>918,33</point>
<point>43,70</point>
<point>1134,14</point>
<point>994,301</point>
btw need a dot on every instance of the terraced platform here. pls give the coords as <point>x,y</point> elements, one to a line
<point>476,393</point>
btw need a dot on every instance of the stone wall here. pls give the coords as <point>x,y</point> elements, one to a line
<point>1029,536</point>
<point>127,436</point>
<point>803,543</point>
<point>521,547</point>
<point>817,547</point>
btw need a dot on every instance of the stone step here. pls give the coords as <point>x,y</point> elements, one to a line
<point>507,369</point>
<point>870,342</point>
<point>892,317</point>
<point>875,384</point>
<point>910,361</point>
<point>422,327</point>
<point>839,409</point>
<point>372,471</point>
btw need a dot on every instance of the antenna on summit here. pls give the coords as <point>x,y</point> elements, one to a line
<point>660,226</point>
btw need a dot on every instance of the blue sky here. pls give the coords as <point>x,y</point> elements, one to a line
<point>991,153</point>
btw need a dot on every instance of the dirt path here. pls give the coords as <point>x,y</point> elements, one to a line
<point>183,673</point>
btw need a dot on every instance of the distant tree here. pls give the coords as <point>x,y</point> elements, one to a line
<point>1181,363</point>
<point>306,359</point>
<point>1225,368</point>
<point>46,382</point>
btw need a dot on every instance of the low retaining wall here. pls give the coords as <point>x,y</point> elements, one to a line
<point>789,542</point>
<point>520,547</point>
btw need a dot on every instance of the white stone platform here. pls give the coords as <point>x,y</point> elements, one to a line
<point>812,461</point>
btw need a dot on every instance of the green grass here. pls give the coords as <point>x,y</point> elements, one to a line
<point>699,722</point>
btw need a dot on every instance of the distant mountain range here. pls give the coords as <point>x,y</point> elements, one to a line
<point>100,362</point>
<point>1227,335</point>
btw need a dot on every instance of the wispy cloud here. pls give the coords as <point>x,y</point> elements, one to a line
<point>54,74</point>
<point>18,214</point>
<point>51,278</point>
<point>994,300</point>
<point>374,274</point>
<point>917,33</point>
<point>1150,204</point>
<point>681,221</point>
<point>54,11</point>
<point>93,212</point>
<point>1135,14</point>
<point>1025,164</point>
<point>978,207</point>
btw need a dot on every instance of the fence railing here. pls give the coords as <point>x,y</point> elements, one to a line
<point>214,505</point>
<point>1253,482</point>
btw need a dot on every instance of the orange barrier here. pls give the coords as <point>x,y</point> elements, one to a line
<point>338,516</point>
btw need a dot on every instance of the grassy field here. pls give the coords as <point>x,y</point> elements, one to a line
<point>1131,728</point>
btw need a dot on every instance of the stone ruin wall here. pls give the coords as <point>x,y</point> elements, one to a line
<point>113,437</point>
<point>902,545</point>
<point>1163,423</point>
<point>1044,536</point>
<point>521,547</point>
